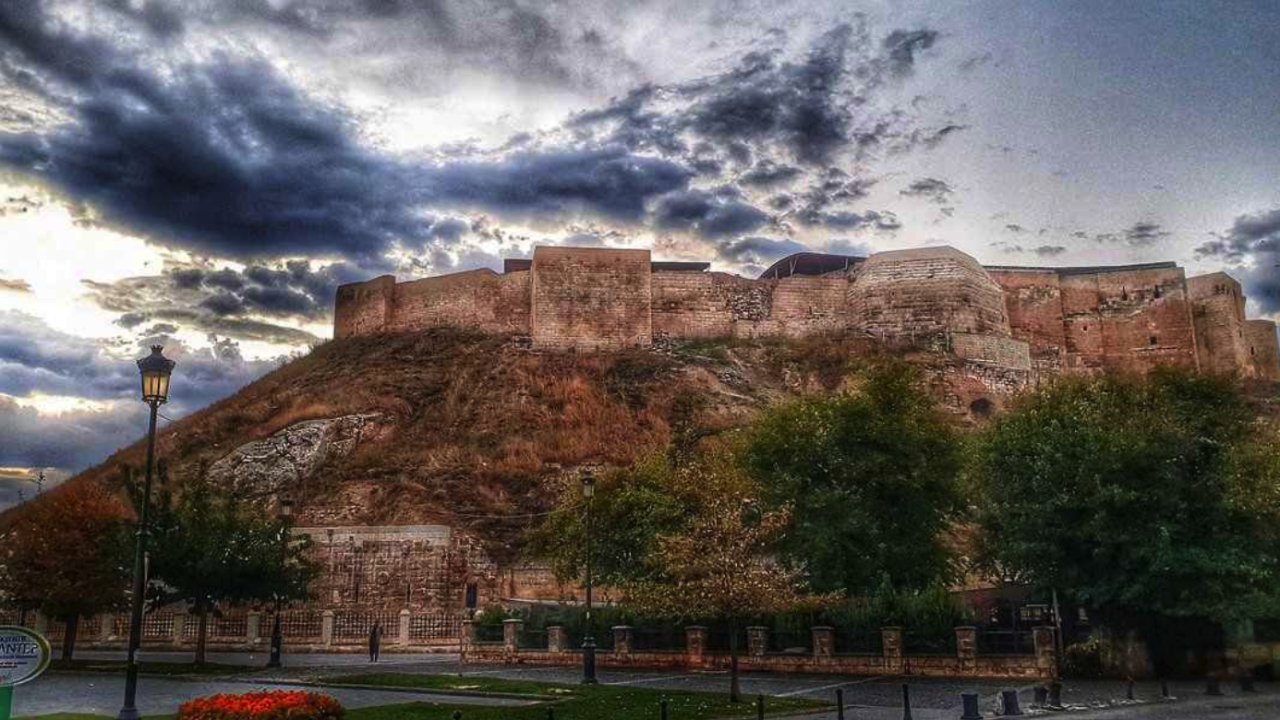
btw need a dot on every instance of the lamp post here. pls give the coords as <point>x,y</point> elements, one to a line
<point>155,370</point>
<point>277,635</point>
<point>588,639</point>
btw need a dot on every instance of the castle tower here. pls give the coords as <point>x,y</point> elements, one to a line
<point>1264,354</point>
<point>1217,307</point>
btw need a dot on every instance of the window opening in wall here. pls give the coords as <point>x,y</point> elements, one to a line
<point>1158,291</point>
<point>471,596</point>
<point>1124,293</point>
<point>981,407</point>
<point>1154,341</point>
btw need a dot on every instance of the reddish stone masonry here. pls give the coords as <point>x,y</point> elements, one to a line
<point>1021,320</point>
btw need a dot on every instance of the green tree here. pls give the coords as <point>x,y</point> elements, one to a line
<point>66,555</point>
<point>1141,499</point>
<point>722,564</point>
<point>211,549</point>
<point>871,478</point>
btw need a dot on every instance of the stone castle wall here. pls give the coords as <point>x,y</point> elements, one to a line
<point>1025,320</point>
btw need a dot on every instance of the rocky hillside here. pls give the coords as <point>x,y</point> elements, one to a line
<point>464,428</point>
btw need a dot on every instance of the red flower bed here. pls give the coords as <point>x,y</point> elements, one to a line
<point>274,705</point>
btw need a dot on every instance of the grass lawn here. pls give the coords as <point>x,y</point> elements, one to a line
<point>573,702</point>
<point>150,668</point>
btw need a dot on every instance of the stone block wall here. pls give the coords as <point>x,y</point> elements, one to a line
<point>1263,351</point>
<point>1218,309</point>
<point>598,299</point>
<point>418,567</point>
<point>1038,320</point>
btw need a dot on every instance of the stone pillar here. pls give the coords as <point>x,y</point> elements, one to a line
<point>511,635</point>
<point>557,639</point>
<point>252,622</point>
<point>468,634</point>
<point>891,639</point>
<point>824,642</point>
<point>967,647</point>
<point>757,640</point>
<point>107,628</point>
<point>179,628</point>
<point>326,627</point>
<point>622,639</point>
<point>695,643</point>
<point>404,627</point>
<point>1046,651</point>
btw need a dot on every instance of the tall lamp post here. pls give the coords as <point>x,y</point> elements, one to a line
<point>155,370</point>
<point>588,639</point>
<point>277,635</point>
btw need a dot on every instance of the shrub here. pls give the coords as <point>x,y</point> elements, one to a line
<point>273,705</point>
<point>1083,660</point>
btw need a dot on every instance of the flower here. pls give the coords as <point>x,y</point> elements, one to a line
<point>271,705</point>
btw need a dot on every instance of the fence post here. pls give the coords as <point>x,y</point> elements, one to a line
<point>557,641</point>
<point>695,644</point>
<point>251,624</point>
<point>891,639</point>
<point>1046,652</point>
<point>404,627</point>
<point>326,627</point>
<point>179,628</point>
<point>511,635</point>
<point>622,639</point>
<point>967,647</point>
<point>757,640</point>
<point>41,624</point>
<point>468,637</point>
<point>824,642</point>
<point>108,627</point>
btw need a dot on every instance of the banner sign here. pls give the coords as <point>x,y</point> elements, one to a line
<point>24,654</point>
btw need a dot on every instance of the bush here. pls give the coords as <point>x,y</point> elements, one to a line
<point>274,705</point>
<point>1083,660</point>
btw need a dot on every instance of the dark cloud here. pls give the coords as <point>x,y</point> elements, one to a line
<point>902,46</point>
<point>14,285</point>
<point>766,173</point>
<point>1049,250</point>
<point>1142,234</point>
<point>227,157</point>
<point>757,252</point>
<point>932,189</point>
<point>158,17</point>
<point>1252,246</point>
<point>707,214</point>
<point>1015,228</point>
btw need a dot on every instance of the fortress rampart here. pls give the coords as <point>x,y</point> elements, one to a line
<point>1016,319</point>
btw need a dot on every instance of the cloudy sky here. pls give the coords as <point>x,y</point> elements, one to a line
<point>204,173</point>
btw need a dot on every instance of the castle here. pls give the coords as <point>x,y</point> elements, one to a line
<point>1003,326</point>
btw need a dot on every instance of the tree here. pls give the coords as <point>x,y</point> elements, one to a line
<point>66,555</point>
<point>870,476</point>
<point>722,564</point>
<point>210,549</point>
<point>1141,499</point>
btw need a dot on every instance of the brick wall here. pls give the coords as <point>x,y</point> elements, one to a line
<point>363,308</point>
<point>591,298</point>
<point>1033,302</point>
<point>480,299</point>
<point>1218,309</point>
<point>1263,352</point>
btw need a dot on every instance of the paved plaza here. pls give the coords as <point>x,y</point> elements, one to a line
<point>866,698</point>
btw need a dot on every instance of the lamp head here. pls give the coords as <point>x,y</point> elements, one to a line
<point>155,370</point>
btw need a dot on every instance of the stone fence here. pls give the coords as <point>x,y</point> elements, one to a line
<point>820,657</point>
<point>314,630</point>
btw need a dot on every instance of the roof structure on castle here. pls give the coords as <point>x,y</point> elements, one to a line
<point>510,265</point>
<point>810,263</point>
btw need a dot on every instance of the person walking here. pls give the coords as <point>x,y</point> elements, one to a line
<point>375,641</point>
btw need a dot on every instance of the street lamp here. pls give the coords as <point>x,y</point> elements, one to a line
<point>277,635</point>
<point>588,639</point>
<point>155,370</point>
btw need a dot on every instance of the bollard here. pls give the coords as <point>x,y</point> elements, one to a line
<point>1246,682</point>
<point>1164,689</point>
<point>1042,696</point>
<point>1009,702</point>
<point>1128,693</point>
<point>906,702</point>
<point>839,704</point>
<point>1055,694</point>
<point>662,709</point>
<point>760,707</point>
<point>1212,687</point>
<point>970,700</point>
